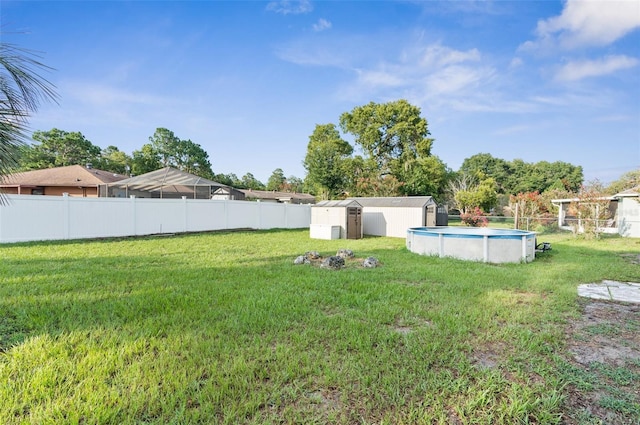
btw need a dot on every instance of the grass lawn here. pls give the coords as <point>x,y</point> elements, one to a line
<point>224,328</point>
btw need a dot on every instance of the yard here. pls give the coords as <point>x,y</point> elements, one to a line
<point>224,328</point>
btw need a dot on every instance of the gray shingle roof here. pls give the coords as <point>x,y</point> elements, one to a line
<point>399,201</point>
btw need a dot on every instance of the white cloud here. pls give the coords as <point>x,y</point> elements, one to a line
<point>321,25</point>
<point>290,7</point>
<point>587,23</point>
<point>516,63</point>
<point>515,129</point>
<point>433,75</point>
<point>98,94</point>
<point>380,78</point>
<point>577,70</point>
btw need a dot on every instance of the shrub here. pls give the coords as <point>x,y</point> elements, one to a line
<point>476,218</point>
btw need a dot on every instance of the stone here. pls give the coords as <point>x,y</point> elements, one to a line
<point>301,259</point>
<point>370,262</point>
<point>333,262</point>
<point>345,253</point>
<point>312,255</point>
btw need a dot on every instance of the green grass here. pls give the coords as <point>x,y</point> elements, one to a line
<point>224,328</point>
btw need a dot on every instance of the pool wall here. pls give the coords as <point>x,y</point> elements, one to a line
<point>473,243</point>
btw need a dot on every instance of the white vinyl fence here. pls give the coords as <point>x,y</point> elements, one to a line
<point>36,218</point>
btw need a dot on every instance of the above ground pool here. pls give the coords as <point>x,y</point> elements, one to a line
<point>473,243</point>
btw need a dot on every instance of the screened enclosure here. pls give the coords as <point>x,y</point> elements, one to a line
<point>164,183</point>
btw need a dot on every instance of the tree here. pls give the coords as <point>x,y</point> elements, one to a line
<point>425,176</point>
<point>250,182</point>
<point>484,165</point>
<point>591,209</point>
<point>482,195</point>
<point>628,180</point>
<point>277,180</point>
<point>392,134</point>
<point>294,184</point>
<point>114,160</point>
<point>543,175</point>
<point>145,160</point>
<point>22,90</point>
<point>326,162</point>
<point>59,148</point>
<point>519,176</point>
<point>166,150</point>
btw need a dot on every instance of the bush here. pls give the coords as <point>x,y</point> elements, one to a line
<point>475,218</point>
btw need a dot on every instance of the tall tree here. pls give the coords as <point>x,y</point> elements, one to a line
<point>326,162</point>
<point>628,180</point>
<point>277,180</point>
<point>294,184</point>
<point>250,182</point>
<point>114,160</point>
<point>184,155</point>
<point>22,90</point>
<point>145,160</point>
<point>59,148</point>
<point>393,134</point>
<point>484,165</point>
<point>425,176</point>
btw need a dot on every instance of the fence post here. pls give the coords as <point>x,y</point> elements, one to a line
<point>185,213</point>
<point>134,213</point>
<point>67,216</point>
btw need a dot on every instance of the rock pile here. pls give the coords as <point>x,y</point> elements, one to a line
<point>333,262</point>
<point>301,259</point>
<point>370,263</point>
<point>345,253</point>
<point>336,262</point>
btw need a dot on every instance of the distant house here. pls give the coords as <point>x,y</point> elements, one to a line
<point>568,220</point>
<point>229,194</point>
<point>275,196</point>
<point>624,213</point>
<point>76,180</point>
<point>629,212</point>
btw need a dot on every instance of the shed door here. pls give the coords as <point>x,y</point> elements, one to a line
<point>442,217</point>
<point>430,216</point>
<point>354,223</point>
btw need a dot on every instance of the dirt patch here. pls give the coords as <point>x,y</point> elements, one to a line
<point>632,258</point>
<point>603,371</point>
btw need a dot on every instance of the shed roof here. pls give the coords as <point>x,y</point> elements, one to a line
<point>70,175</point>
<point>397,201</point>
<point>343,203</point>
<point>629,193</point>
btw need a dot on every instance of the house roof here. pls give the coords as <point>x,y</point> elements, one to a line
<point>278,196</point>
<point>71,175</point>
<point>398,201</point>
<point>342,203</point>
<point>629,193</point>
<point>165,178</point>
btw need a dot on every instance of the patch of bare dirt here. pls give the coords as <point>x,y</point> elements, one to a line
<point>604,367</point>
<point>632,258</point>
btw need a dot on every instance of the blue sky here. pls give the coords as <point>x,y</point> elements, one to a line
<point>249,80</point>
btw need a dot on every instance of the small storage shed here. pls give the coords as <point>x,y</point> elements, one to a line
<point>336,220</point>
<point>392,216</point>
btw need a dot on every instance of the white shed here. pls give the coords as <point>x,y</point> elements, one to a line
<point>394,215</point>
<point>336,220</point>
<point>629,212</point>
